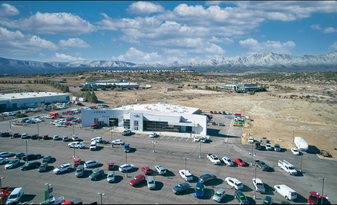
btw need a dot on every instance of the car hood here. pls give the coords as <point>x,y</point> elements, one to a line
<point>216,197</point>
<point>56,169</point>
<point>9,165</point>
<point>10,201</point>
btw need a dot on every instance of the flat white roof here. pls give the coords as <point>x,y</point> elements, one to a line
<point>30,95</point>
<point>160,108</point>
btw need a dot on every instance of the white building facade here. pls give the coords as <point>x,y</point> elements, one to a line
<point>150,118</point>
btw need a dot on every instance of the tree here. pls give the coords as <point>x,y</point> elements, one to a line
<point>93,97</point>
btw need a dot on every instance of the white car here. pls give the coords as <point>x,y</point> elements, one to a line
<point>60,125</point>
<point>97,139</point>
<point>295,151</point>
<point>227,161</point>
<point>24,135</point>
<point>48,117</point>
<point>259,186</point>
<point>91,163</point>
<point>196,139</point>
<point>118,141</point>
<point>111,176</point>
<point>56,137</point>
<point>152,135</point>
<point>268,147</point>
<point>186,175</point>
<point>233,182</point>
<point>38,120</point>
<point>62,168</point>
<point>93,145</point>
<point>3,160</point>
<point>126,167</point>
<point>251,140</point>
<point>12,163</point>
<point>75,138</point>
<point>77,145</point>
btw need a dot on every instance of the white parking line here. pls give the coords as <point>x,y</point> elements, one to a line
<point>162,137</point>
<point>168,138</point>
<point>229,129</point>
<point>174,138</point>
<point>187,139</point>
<point>181,138</point>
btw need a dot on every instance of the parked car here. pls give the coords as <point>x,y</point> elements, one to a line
<point>11,164</point>
<point>259,186</point>
<point>180,188</point>
<point>43,167</point>
<point>196,139</point>
<point>233,182</point>
<point>277,148</point>
<point>146,170</point>
<point>268,147</point>
<point>126,167</point>
<point>261,165</point>
<point>79,171</point>
<point>324,153</point>
<point>186,175</point>
<point>93,145</point>
<point>207,178</point>
<point>61,125</point>
<point>219,195</point>
<point>78,145</point>
<point>227,161</point>
<point>240,162</point>
<point>241,197</point>
<point>126,148</point>
<point>19,155</point>
<point>91,163</point>
<point>56,137</point>
<point>137,180</point>
<point>34,136</point>
<point>46,159</point>
<point>45,137</point>
<point>65,138</point>
<point>3,160</point>
<point>152,135</point>
<point>203,139</point>
<point>97,139</point>
<point>15,196</point>
<point>16,134</point>
<point>111,166</point>
<point>199,190</point>
<point>30,157</point>
<point>24,135</point>
<point>62,168</point>
<point>268,200</point>
<point>295,151</point>
<point>151,184</point>
<point>77,162</point>
<point>250,140</point>
<point>118,142</point>
<point>6,154</point>
<point>30,165</point>
<point>94,126</point>
<point>96,174</point>
<point>160,169</point>
<point>111,176</point>
<point>75,138</point>
<point>258,145</point>
<point>126,132</point>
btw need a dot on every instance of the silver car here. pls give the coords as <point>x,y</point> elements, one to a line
<point>111,176</point>
<point>219,195</point>
<point>151,184</point>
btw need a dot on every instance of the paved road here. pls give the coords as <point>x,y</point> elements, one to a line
<point>169,152</point>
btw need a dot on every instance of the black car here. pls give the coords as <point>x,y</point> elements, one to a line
<point>241,197</point>
<point>261,165</point>
<point>207,178</point>
<point>46,159</point>
<point>268,200</point>
<point>257,145</point>
<point>30,165</point>
<point>19,155</point>
<point>96,174</point>
<point>31,156</point>
<point>43,167</point>
<point>35,136</point>
<point>5,134</point>
<point>180,188</point>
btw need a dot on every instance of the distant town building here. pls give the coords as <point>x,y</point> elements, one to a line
<point>240,86</point>
<point>123,84</point>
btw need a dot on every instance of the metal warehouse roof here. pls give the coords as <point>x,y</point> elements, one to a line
<point>160,108</point>
<point>30,95</point>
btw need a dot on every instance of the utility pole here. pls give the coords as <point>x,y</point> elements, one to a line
<point>26,151</point>
<point>301,160</point>
<point>48,191</point>
<point>126,162</point>
<point>322,201</point>
<point>200,150</point>
<point>255,181</point>
<point>185,162</point>
<point>38,131</point>
<point>293,138</point>
<point>73,130</point>
<point>102,194</point>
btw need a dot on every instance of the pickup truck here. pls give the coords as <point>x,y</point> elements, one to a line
<point>286,166</point>
<point>213,158</point>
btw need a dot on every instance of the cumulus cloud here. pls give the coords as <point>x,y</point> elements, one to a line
<point>173,58</point>
<point>64,57</point>
<point>253,46</point>
<point>333,47</point>
<point>221,40</point>
<point>16,43</point>
<point>8,10</point>
<point>142,7</point>
<point>329,30</point>
<point>73,43</point>
<point>135,55</point>
<point>315,27</point>
<point>51,23</point>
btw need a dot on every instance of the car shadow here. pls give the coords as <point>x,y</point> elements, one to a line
<point>132,150</point>
<point>227,199</point>
<point>300,199</point>
<point>99,165</point>
<point>269,190</point>
<point>271,169</point>
<point>103,177</point>
<point>246,188</point>
<point>27,197</point>
<point>159,186</point>
<point>169,174</point>
<point>49,168</point>
<point>141,185</point>
<point>195,179</point>
<point>99,148</point>
<point>214,183</point>
<point>251,200</point>
<point>86,173</point>
<point>52,160</point>
<point>118,179</point>
<point>208,194</point>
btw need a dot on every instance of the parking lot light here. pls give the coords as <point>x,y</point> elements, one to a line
<point>26,150</point>
<point>200,150</point>
<point>48,185</point>
<point>185,162</point>
<point>102,194</point>
<point>1,178</point>
<point>322,201</point>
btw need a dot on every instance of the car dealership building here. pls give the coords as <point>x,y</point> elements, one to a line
<point>149,118</point>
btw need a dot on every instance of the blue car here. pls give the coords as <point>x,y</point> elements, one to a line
<point>126,148</point>
<point>30,121</point>
<point>199,190</point>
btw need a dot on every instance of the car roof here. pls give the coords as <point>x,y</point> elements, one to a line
<point>199,184</point>
<point>150,178</point>
<point>111,172</point>
<point>16,190</point>
<point>257,180</point>
<point>221,190</point>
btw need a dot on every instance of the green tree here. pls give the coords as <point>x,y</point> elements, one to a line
<point>93,97</point>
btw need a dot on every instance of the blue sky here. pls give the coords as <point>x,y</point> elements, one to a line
<point>164,31</point>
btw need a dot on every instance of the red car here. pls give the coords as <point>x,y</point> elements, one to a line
<point>211,112</point>
<point>240,162</point>
<point>78,120</point>
<point>314,198</point>
<point>45,137</point>
<point>137,180</point>
<point>146,170</point>
<point>111,166</point>
<point>94,126</point>
<point>77,162</point>
<point>67,123</point>
<point>16,134</point>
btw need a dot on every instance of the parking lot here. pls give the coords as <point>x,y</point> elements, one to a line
<point>169,152</point>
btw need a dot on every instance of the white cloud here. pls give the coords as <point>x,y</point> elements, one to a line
<point>263,36</point>
<point>142,7</point>
<point>73,43</point>
<point>221,40</point>
<point>51,23</point>
<point>42,55</point>
<point>173,58</point>
<point>76,54</point>
<point>16,43</point>
<point>64,57</point>
<point>135,55</point>
<point>333,47</point>
<point>315,27</point>
<point>8,10</point>
<point>253,46</point>
<point>329,30</point>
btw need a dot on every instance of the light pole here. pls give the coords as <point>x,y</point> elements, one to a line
<point>48,185</point>
<point>185,162</point>
<point>102,194</point>
<point>26,150</point>
<point>1,178</point>
<point>38,131</point>
<point>293,138</point>
<point>255,181</point>
<point>322,201</point>
<point>126,162</point>
<point>73,130</point>
<point>252,154</point>
<point>301,159</point>
<point>200,150</point>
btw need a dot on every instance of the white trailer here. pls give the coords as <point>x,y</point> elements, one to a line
<point>82,99</point>
<point>301,144</point>
<point>74,98</point>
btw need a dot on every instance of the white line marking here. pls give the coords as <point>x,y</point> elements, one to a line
<point>162,137</point>
<point>168,137</point>
<point>174,138</point>
<point>181,138</point>
<point>187,139</point>
<point>226,140</point>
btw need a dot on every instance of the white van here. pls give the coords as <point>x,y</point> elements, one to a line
<point>285,191</point>
<point>301,144</point>
<point>15,196</point>
<point>93,145</point>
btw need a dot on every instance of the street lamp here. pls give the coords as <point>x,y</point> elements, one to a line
<point>48,185</point>
<point>126,162</point>
<point>26,150</point>
<point>322,201</point>
<point>255,182</point>
<point>200,150</point>
<point>253,155</point>
<point>293,138</point>
<point>38,131</point>
<point>185,162</point>
<point>1,178</point>
<point>102,194</point>
<point>301,159</point>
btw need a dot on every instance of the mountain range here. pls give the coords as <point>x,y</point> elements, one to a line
<point>260,62</point>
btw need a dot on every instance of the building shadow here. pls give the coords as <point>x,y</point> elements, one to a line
<point>313,150</point>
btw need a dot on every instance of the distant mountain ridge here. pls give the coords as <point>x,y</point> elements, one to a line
<point>260,62</point>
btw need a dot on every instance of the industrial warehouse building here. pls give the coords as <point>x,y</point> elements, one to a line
<point>240,86</point>
<point>150,117</point>
<point>30,99</point>
<point>123,84</point>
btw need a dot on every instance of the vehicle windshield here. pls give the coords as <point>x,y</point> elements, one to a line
<point>238,183</point>
<point>13,196</point>
<point>150,182</point>
<point>263,164</point>
<point>111,175</point>
<point>126,146</point>
<point>11,162</point>
<point>229,160</point>
<point>178,185</point>
<point>78,170</point>
<point>291,168</point>
<point>60,167</point>
<point>218,194</point>
<point>215,158</point>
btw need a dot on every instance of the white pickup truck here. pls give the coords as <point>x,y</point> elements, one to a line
<point>286,166</point>
<point>213,158</point>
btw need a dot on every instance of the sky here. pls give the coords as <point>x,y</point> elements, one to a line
<point>164,31</point>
